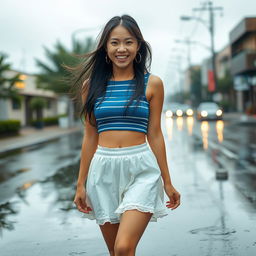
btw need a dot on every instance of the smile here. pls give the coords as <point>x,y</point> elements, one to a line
<point>122,57</point>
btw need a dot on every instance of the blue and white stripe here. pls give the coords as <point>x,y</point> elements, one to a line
<point>109,114</point>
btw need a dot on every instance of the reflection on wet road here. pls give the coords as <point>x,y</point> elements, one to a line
<point>37,186</point>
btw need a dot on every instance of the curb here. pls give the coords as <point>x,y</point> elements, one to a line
<point>23,145</point>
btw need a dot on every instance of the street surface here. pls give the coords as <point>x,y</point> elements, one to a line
<point>216,217</point>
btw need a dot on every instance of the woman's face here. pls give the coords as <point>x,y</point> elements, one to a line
<point>122,47</point>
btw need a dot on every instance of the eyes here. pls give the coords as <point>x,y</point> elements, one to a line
<point>114,43</point>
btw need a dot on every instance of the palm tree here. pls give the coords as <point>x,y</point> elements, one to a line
<point>52,75</point>
<point>7,89</point>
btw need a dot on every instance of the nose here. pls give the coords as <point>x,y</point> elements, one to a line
<point>121,48</point>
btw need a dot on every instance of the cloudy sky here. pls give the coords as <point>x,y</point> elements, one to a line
<point>26,26</point>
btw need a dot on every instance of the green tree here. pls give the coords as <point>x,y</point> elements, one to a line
<point>7,85</point>
<point>53,73</point>
<point>225,84</point>
<point>196,86</point>
<point>225,87</point>
<point>38,104</point>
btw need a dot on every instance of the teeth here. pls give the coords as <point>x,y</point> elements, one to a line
<point>121,57</point>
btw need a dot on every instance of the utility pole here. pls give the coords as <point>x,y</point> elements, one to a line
<point>208,6</point>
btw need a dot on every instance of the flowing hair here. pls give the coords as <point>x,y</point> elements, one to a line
<point>93,73</point>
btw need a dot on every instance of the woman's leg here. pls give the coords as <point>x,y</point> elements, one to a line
<point>132,225</point>
<point>109,232</point>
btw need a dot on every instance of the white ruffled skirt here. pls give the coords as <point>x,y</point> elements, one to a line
<point>121,179</point>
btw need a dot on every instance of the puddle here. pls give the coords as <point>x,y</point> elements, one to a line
<point>213,231</point>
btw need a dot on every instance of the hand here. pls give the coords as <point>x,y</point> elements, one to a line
<point>173,195</point>
<point>80,201</point>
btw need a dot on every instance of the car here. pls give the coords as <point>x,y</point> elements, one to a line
<point>186,110</point>
<point>209,111</point>
<point>179,110</point>
<point>174,110</point>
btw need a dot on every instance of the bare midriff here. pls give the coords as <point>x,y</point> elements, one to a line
<point>119,139</point>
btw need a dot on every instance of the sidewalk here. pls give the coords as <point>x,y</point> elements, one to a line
<point>30,136</point>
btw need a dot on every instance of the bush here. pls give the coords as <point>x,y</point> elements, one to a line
<point>54,120</point>
<point>37,103</point>
<point>51,120</point>
<point>9,127</point>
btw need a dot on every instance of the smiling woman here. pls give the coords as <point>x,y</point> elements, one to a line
<point>122,47</point>
<point>123,174</point>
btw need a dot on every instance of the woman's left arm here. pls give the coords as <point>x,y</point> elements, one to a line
<point>156,140</point>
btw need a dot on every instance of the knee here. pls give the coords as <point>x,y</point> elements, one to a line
<point>123,248</point>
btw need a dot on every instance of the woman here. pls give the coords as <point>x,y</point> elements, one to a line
<point>125,176</point>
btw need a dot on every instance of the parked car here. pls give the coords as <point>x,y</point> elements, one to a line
<point>209,110</point>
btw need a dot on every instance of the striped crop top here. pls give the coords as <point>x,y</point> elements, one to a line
<point>109,114</point>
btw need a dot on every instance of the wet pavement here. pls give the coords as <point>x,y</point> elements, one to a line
<point>29,136</point>
<point>37,216</point>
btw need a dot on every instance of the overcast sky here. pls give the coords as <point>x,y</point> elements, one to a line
<point>26,26</point>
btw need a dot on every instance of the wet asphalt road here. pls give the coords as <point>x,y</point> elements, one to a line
<point>37,186</point>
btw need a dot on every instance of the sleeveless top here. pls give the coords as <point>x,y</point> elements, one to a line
<point>109,114</point>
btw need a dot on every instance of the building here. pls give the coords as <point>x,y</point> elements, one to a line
<point>223,62</point>
<point>21,110</point>
<point>243,64</point>
<point>223,66</point>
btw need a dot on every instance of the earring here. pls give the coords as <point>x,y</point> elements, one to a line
<point>107,59</point>
<point>138,61</point>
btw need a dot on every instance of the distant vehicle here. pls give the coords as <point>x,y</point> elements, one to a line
<point>177,109</point>
<point>186,110</point>
<point>174,110</point>
<point>209,110</point>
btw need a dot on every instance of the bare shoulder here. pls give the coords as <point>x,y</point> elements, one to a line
<point>155,85</point>
<point>155,79</point>
<point>155,82</point>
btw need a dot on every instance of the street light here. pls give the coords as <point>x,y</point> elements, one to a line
<point>188,18</point>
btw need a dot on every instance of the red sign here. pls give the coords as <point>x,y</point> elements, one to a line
<point>211,82</point>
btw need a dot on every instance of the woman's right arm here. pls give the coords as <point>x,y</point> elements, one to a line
<point>89,146</point>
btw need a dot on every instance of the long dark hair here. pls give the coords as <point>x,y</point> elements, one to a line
<point>96,71</point>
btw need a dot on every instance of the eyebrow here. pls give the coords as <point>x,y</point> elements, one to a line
<point>113,38</point>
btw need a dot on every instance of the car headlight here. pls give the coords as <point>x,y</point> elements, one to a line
<point>219,112</point>
<point>169,113</point>
<point>179,112</point>
<point>204,113</point>
<point>189,112</point>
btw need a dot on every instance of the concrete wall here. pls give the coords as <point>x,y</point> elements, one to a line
<point>18,114</point>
